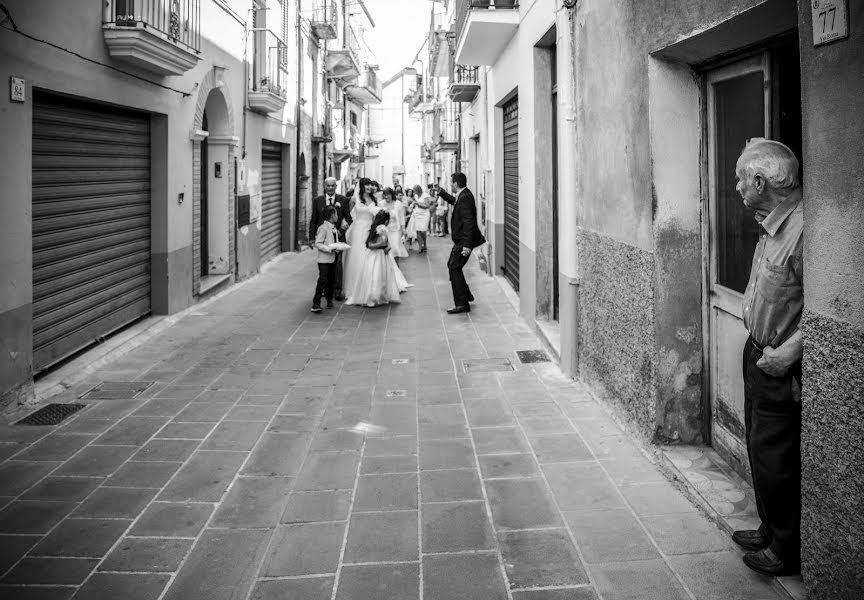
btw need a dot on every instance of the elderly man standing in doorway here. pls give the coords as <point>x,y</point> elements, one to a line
<point>768,182</point>
<point>343,220</point>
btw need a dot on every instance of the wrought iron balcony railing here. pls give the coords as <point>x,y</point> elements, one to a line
<point>176,21</point>
<point>270,65</point>
<point>325,19</point>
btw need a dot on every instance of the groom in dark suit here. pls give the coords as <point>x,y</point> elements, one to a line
<point>343,220</point>
<point>466,236</point>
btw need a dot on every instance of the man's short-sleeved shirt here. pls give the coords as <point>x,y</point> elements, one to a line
<point>774,297</point>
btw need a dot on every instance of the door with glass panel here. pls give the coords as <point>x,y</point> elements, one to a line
<point>755,97</point>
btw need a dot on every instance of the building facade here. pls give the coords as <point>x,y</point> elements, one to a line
<point>602,137</point>
<point>157,153</point>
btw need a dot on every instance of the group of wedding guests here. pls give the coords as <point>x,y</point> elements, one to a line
<point>360,237</point>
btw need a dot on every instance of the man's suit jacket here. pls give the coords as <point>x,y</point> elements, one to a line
<point>463,221</point>
<point>317,217</point>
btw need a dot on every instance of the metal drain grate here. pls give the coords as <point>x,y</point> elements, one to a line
<point>116,390</point>
<point>52,414</point>
<point>532,356</point>
<point>487,365</point>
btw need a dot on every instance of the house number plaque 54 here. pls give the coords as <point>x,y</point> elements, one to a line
<point>830,21</point>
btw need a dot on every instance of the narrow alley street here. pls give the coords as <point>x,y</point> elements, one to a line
<point>353,454</point>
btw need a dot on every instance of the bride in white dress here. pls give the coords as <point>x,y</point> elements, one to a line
<point>354,284</point>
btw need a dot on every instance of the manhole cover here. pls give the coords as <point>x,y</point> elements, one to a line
<point>116,390</point>
<point>486,365</point>
<point>397,393</point>
<point>532,356</point>
<point>51,414</point>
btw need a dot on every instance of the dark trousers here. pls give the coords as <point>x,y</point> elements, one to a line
<point>772,422</point>
<point>461,292</point>
<point>326,282</point>
<point>337,282</point>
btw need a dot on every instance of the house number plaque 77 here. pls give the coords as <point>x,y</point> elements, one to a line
<point>830,21</point>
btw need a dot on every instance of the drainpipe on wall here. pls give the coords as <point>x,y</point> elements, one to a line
<point>297,112</point>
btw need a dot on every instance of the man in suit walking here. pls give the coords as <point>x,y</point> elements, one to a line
<point>466,236</point>
<point>343,220</point>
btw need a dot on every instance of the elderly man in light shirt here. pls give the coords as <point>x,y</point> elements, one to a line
<point>768,182</point>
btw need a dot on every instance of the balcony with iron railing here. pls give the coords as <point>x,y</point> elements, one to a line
<point>343,64</point>
<point>324,19</point>
<point>268,83</point>
<point>367,90</point>
<point>465,84</point>
<point>446,128</point>
<point>161,36</point>
<point>483,29</point>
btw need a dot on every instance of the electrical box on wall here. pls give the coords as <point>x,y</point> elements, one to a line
<point>243,212</point>
<point>217,170</point>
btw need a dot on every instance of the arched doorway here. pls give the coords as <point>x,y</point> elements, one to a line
<point>214,142</point>
<point>300,209</point>
<point>316,177</point>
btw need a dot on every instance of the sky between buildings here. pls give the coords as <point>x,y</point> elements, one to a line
<point>401,28</point>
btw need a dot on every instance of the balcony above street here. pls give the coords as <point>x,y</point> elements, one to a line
<point>163,38</point>
<point>483,29</point>
<point>465,84</point>
<point>324,19</point>
<point>268,85</point>
<point>367,90</point>
<point>343,64</point>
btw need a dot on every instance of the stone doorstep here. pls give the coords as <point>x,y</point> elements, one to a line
<point>791,587</point>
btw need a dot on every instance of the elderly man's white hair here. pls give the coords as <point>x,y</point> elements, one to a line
<point>774,161</point>
<point>330,181</point>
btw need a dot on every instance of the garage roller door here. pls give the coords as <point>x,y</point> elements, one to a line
<point>91,224</point>
<point>271,199</point>
<point>511,192</point>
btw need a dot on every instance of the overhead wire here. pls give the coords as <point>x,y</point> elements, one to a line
<point>14,29</point>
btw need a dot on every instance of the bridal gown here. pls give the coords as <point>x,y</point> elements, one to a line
<point>367,272</point>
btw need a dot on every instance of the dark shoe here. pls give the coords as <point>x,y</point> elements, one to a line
<point>764,561</point>
<point>339,298</point>
<point>751,539</point>
<point>330,304</point>
<point>459,309</point>
<point>316,308</point>
<point>471,298</point>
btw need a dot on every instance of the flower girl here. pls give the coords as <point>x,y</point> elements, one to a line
<point>380,281</point>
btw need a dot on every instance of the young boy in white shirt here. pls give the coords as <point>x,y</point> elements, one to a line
<point>324,237</point>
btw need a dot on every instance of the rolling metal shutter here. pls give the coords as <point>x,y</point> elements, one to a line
<point>91,224</point>
<point>511,192</point>
<point>271,199</point>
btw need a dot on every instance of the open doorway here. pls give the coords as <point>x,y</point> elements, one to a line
<point>756,95</point>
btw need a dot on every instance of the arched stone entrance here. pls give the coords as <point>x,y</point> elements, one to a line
<point>213,227</point>
<point>300,209</point>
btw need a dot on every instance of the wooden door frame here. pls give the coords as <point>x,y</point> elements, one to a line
<point>756,63</point>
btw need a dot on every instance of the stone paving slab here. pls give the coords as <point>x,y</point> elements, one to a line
<point>348,455</point>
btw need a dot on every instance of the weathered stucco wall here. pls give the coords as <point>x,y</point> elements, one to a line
<point>833,393</point>
<point>617,357</point>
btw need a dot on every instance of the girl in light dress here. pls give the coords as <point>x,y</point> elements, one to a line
<point>381,281</point>
<point>362,271</point>
<point>420,217</point>
<point>396,227</point>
